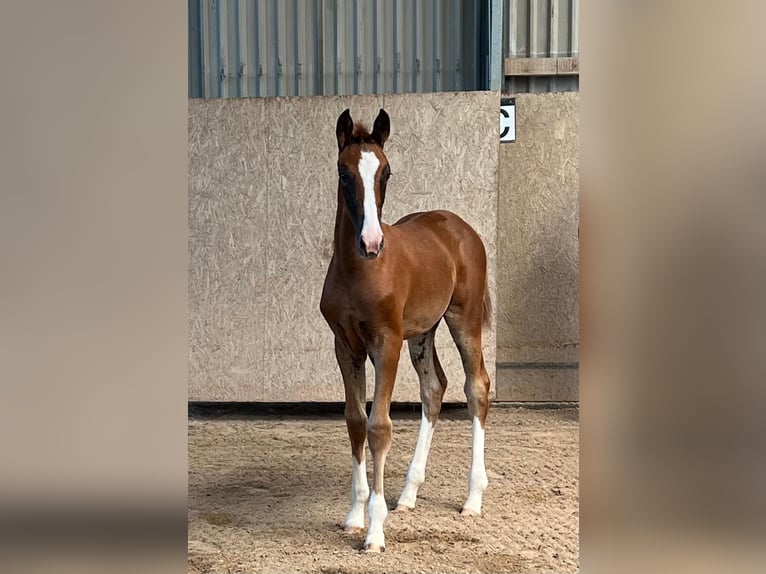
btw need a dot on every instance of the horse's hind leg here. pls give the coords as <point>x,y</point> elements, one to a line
<point>352,369</point>
<point>465,328</point>
<point>433,383</point>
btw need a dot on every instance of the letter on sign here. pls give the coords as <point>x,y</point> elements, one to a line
<point>508,119</point>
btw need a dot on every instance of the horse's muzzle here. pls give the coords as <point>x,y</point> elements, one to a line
<point>371,250</point>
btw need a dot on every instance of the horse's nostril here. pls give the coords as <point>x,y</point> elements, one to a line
<point>371,249</point>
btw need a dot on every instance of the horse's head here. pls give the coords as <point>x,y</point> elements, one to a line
<point>363,173</point>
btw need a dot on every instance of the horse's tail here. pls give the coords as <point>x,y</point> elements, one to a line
<point>487,321</point>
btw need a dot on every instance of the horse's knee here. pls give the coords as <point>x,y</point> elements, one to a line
<point>477,393</point>
<point>356,423</point>
<point>476,388</point>
<point>355,416</point>
<point>379,433</point>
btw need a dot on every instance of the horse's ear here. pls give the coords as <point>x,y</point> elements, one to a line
<point>381,128</point>
<point>344,129</point>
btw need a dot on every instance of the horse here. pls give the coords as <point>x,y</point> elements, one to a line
<point>389,283</point>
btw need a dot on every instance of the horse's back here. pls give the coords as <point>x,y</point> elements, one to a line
<point>446,227</point>
<point>429,217</point>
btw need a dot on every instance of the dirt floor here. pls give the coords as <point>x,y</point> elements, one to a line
<point>268,494</point>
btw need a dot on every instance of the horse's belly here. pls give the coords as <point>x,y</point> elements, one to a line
<point>421,315</point>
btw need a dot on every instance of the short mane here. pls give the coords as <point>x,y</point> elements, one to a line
<point>361,133</point>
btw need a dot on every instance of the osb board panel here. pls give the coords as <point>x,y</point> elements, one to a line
<point>538,385</point>
<point>227,254</point>
<point>537,274</point>
<point>262,200</point>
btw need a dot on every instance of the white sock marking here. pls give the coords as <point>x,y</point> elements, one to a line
<point>359,493</point>
<point>477,481</point>
<point>372,235</point>
<point>378,514</point>
<point>417,472</point>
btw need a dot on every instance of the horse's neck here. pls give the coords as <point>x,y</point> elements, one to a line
<point>339,217</point>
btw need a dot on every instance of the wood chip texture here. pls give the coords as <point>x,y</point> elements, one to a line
<point>538,251</point>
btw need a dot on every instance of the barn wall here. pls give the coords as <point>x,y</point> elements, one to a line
<point>537,266</point>
<point>263,48</point>
<point>262,199</point>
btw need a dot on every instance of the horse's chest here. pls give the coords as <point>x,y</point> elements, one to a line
<point>350,308</point>
<point>361,307</point>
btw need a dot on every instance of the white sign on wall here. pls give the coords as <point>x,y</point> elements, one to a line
<point>508,119</point>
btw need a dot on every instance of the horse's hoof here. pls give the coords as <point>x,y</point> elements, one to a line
<point>469,512</point>
<point>374,549</point>
<point>402,508</point>
<point>352,529</point>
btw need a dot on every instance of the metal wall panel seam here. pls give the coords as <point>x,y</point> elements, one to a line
<point>232,47</point>
<point>342,39</point>
<point>417,85</point>
<point>496,43</point>
<point>553,36</point>
<point>355,62</point>
<point>264,51</point>
<point>398,47</point>
<point>575,22</point>
<point>195,56</point>
<point>317,48</point>
<point>378,43</point>
<point>242,47</point>
<point>204,17</point>
<point>437,46</point>
<point>534,28</point>
<point>297,55</point>
<point>458,46</point>
<point>221,18</point>
<point>282,54</point>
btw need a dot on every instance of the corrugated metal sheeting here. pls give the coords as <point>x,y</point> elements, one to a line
<point>310,47</point>
<point>336,47</point>
<point>540,29</point>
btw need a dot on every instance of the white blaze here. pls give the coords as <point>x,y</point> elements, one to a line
<point>477,481</point>
<point>372,235</point>
<point>417,473</point>
<point>359,493</point>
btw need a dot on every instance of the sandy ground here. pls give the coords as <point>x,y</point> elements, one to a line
<point>268,494</point>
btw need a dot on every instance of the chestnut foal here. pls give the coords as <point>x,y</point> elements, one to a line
<point>390,283</point>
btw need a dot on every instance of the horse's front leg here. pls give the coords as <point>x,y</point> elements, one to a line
<point>380,430</point>
<point>351,365</point>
